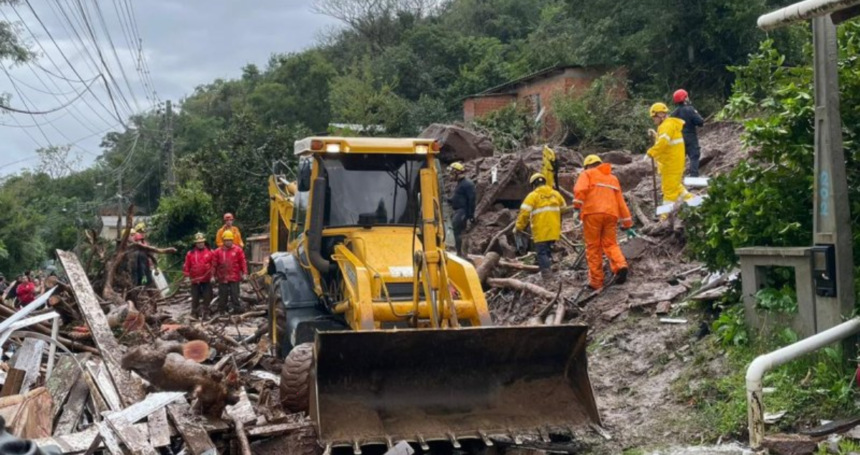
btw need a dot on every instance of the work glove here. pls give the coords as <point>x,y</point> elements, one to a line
<point>652,133</point>
<point>646,158</point>
<point>631,234</point>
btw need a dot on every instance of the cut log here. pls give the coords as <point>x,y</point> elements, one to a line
<point>196,351</point>
<point>6,312</point>
<point>517,285</point>
<point>170,371</point>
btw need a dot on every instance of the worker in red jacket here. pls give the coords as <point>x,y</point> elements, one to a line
<point>26,291</point>
<point>230,269</point>
<point>200,269</point>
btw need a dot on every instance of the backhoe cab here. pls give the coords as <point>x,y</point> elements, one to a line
<point>386,335</point>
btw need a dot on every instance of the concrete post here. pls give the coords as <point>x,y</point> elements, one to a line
<point>832,220</point>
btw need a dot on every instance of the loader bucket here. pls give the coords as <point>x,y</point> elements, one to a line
<point>375,388</point>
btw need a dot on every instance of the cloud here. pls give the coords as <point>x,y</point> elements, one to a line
<point>186,43</point>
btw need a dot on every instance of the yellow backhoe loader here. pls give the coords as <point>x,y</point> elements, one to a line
<point>387,337</point>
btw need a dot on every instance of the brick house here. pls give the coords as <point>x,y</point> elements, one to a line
<point>537,90</point>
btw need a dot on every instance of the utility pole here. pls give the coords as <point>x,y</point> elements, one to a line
<point>168,149</point>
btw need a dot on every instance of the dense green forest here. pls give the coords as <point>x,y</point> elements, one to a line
<point>402,64</point>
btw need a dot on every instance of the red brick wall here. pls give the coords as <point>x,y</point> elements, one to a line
<point>483,105</point>
<point>574,80</point>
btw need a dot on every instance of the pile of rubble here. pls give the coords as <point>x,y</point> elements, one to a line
<point>123,371</point>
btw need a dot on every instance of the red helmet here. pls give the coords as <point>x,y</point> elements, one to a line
<point>680,96</point>
<point>228,216</point>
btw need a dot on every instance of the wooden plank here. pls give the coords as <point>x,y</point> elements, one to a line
<point>197,440</point>
<point>136,441</point>
<point>14,380</point>
<point>276,429</point>
<point>132,391</point>
<point>76,443</point>
<point>97,399</point>
<point>29,359</point>
<point>72,410</point>
<point>109,439</point>
<point>243,410</point>
<point>66,375</point>
<point>106,387</point>
<point>159,429</point>
<point>145,408</point>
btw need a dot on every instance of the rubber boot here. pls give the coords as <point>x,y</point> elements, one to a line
<point>621,275</point>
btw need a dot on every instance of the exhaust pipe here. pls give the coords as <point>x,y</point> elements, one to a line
<point>316,226</point>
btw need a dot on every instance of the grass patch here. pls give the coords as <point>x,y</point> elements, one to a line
<point>817,386</point>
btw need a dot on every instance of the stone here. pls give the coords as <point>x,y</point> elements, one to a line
<point>790,444</point>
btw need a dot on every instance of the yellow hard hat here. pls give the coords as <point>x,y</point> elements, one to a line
<point>591,159</point>
<point>200,238</point>
<point>659,108</point>
<point>228,235</point>
<point>458,166</point>
<point>535,177</point>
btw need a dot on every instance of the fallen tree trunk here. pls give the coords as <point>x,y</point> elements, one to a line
<point>505,264</point>
<point>168,370</point>
<point>517,285</point>
<point>487,264</point>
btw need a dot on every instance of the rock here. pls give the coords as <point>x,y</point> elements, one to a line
<point>616,157</point>
<point>459,144</point>
<point>664,307</point>
<point>790,444</point>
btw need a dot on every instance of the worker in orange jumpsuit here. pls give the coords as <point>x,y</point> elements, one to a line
<point>228,227</point>
<point>597,197</point>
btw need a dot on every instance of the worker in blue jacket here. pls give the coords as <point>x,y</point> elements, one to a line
<point>692,120</point>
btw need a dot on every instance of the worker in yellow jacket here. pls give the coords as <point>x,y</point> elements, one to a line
<point>542,209</point>
<point>668,152</point>
<point>228,226</point>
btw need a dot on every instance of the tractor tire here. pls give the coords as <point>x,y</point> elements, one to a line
<point>278,321</point>
<point>296,379</point>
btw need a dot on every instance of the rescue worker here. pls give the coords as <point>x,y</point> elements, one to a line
<point>141,263</point>
<point>228,226</point>
<point>26,291</point>
<point>542,209</point>
<point>668,152</point>
<point>600,202</point>
<point>199,268</point>
<point>692,120</point>
<point>230,269</point>
<point>463,204</point>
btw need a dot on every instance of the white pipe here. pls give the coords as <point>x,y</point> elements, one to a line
<point>804,10</point>
<point>766,362</point>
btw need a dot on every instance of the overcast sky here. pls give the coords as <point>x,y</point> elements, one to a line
<point>186,43</point>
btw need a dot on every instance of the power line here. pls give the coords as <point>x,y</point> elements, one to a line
<point>51,37</point>
<point>31,64</point>
<point>88,27</point>
<point>49,111</point>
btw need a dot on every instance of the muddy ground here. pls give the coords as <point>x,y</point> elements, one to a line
<point>634,357</point>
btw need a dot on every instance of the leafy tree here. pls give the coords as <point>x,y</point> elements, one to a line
<point>179,217</point>
<point>768,199</point>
